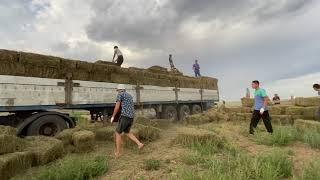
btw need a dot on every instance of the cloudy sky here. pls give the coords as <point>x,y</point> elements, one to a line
<point>237,41</point>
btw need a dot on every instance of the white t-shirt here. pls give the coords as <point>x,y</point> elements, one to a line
<point>117,52</point>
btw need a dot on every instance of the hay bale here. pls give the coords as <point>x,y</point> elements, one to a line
<point>282,119</point>
<point>158,69</point>
<point>294,110</point>
<point>7,130</point>
<point>305,102</point>
<point>105,134</point>
<point>247,102</point>
<point>44,149</point>
<point>66,135</point>
<point>8,144</point>
<point>275,110</point>
<point>147,133</point>
<point>234,109</point>
<point>189,136</point>
<point>310,112</point>
<point>83,141</point>
<point>307,125</point>
<point>14,163</point>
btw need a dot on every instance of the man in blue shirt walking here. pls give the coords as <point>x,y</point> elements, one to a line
<point>260,108</point>
<point>125,101</point>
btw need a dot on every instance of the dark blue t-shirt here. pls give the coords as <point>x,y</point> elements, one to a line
<point>127,105</point>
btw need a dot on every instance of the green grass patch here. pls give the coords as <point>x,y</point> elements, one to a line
<point>312,171</point>
<point>272,165</point>
<point>151,165</point>
<point>312,138</point>
<point>76,168</point>
<point>282,136</point>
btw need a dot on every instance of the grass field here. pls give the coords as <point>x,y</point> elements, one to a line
<point>220,150</point>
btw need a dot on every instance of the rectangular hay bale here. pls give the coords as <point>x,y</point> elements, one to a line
<point>247,102</point>
<point>14,163</point>
<point>45,149</point>
<point>309,101</point>
<point>83,141</point>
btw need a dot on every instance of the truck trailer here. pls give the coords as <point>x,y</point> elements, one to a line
<point>35,88</point>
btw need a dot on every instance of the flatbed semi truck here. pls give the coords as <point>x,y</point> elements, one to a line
<point>32,104</point>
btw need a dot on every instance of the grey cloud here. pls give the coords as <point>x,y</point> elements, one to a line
<point>152,24</point>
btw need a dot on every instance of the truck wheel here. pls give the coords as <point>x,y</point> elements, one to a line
<point>196,109</point>
<point>48,125</point>
<point>170,112</point>
<point>184,111</point>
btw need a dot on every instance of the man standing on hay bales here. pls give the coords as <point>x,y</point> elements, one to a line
<point>196,69</point>
<point>117,52</point>
<point>125,101</point>
<point>260,108</point>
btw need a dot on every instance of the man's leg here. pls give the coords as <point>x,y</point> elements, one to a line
<point>135,139</point>
<point>254,121</point>
<point>118,144</point>
<point>267,121</point>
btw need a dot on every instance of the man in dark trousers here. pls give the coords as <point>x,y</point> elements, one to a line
<point>125,101</point>
<point>260,108</point>
<point>171,63</point>
<point>196,69</point>
<point>119,55</point>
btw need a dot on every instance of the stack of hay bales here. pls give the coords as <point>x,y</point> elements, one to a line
<point>20,154</point>
<point>37,65</point>
<point>307,125</point>
<point>307,102</point>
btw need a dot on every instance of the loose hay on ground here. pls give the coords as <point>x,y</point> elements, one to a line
<point>147,133</point>
<point>45,149</point>
<point>83,141</point>
<point>190,136</point>
<point>14,163</point>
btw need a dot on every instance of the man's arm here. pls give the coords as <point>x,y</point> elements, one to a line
<point>116,109</point>
<point>265,102</point>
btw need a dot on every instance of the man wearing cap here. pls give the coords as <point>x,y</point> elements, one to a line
<point>124,100</point>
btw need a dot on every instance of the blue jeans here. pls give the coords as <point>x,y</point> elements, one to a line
<point>197,73</point>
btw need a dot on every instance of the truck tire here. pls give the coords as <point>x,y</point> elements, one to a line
<point>184,111</point>
<point>196,109</point>
<point>170,112</point>
<point>48,125</point>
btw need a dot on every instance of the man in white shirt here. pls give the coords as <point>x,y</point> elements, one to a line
<point>117,52</point>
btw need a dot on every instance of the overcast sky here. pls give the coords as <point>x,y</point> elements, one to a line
<point>236,41</point>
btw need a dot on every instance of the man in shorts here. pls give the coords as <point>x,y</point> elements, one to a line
<point>125,101</point>
<point>260,108</point>
<point>119,60</point>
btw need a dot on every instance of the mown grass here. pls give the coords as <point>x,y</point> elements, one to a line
<point>312,171</point>
<point>75,168</point>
